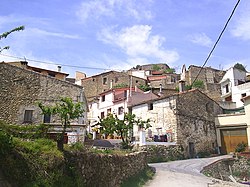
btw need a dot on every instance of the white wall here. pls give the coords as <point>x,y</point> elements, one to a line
<point>162,117</point>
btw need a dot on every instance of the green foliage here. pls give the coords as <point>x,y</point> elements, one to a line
<point>140,179</point>
<point>112,124</point>
<point>198,84</point>
<point>240,67</point>
<point>25,131</point>
<point>6,143</point>
<point>33,163</point>
<point>241,147</point>
<point>156,67</point>
<point>67,110</point>
<point>144,87</point>
<point>122,85</point>
<point>5,34</point>
<point>169,70</point>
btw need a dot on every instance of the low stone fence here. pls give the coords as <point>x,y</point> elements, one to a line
<point>105,170</point>
<point>239,168</point>
<point>161,153</point>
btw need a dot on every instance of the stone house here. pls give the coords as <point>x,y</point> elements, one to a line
<point>187,118</point>
<point>57,74</point>
<point>22,89</point>
<point>234,86</point>
<point>211,78</point>
<point>95,85</point>
<point>234,127</point>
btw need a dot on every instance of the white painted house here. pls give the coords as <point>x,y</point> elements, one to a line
<point>234,86</point>
<point>116,101</point>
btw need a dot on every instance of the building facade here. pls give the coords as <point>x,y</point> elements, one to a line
<point>22,89</point>
<point>235,86</point>
<point>97,84</point>
<point>186,118</point>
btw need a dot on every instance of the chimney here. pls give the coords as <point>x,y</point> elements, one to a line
<point>111,83</point>
<point>181,86</point>
<point>59,68</point>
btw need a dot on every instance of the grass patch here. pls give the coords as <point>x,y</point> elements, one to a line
<point>140,179</point>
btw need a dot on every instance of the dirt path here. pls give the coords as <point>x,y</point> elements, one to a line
<point>186,173</point>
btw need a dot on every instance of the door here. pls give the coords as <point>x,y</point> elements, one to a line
<point>230,138</point>
<point>191,150</point>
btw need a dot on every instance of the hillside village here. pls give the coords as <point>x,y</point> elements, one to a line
<point>213,116</point>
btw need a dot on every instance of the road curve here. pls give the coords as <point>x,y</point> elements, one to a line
<point>185,173</point>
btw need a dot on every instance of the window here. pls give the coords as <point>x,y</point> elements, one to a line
<point>102,115</point>
<point>104,80</point>
<point>150,106</point>
<point>109,111</point>
<point>125,94</point>
<point>28,116</point>
<point>52,75</point>
<point>46,118</point>
<point>116,79</point>
<point>243,95</point>
<point>103,98</point>
<point>120,110</point>
<point>227,88</point>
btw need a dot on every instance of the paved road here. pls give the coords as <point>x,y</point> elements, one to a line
<point>185,173</point>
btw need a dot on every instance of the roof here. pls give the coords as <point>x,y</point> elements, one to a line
<point>41,69</point>
<point>203,68</point>
<point>37,69</point>
<point>116,89</point>
<point>155,77</point>
<point>172,95</point>
<point>109,72</point>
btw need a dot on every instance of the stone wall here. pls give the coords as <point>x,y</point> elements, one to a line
<point>238,168</point>
<point>161,153</point>
<point>196,126</point>
<point>94,85</point>
<point>106,170</point>
<point>22,89</point>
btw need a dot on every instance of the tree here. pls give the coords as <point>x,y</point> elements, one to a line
<point>198,84</point>
<point>156,67</point>
<point>169,70</point>
<point>144,87</point>
<point>240,67</point>
<point>5,34</point>
<point>66,110</point>
<point>112,124</point>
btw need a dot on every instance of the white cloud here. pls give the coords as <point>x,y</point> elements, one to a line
<point>138,42</point>
<point>36,31</point>
<point>9,56</point>
<point>241,28</point>
<point>111,8</point>
<point>201,39</point>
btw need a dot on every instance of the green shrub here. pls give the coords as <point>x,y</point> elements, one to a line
<point>6,143</point>
<point>241,147</point>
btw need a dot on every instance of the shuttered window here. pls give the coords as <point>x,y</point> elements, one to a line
<point>28,116</point>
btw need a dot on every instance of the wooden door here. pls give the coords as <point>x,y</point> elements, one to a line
<point>230,138</point>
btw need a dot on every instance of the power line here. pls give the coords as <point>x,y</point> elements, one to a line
<point>66,65</point>
<point>223,30</point>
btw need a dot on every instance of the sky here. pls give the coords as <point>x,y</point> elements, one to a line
<point>93,36</point>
